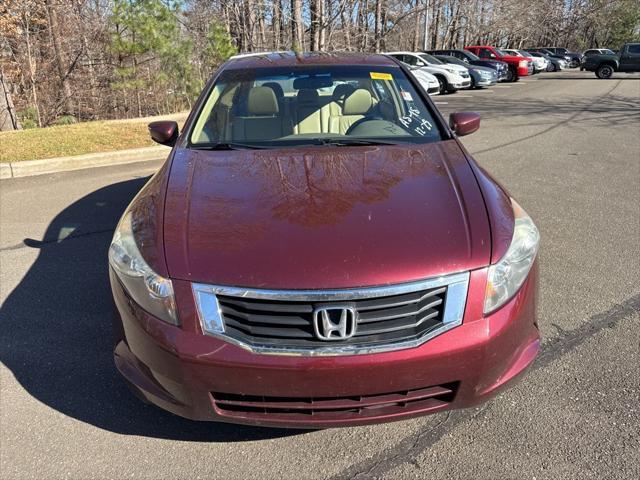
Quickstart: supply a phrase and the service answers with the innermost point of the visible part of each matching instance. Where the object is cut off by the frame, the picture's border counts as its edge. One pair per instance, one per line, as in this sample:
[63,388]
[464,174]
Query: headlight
[149,290]
[507,276]
[523,63]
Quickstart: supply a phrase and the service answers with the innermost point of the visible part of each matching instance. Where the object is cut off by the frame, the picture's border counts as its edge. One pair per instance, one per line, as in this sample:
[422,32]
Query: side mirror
[164,132]
[464,123]
[420,63]
[492,55]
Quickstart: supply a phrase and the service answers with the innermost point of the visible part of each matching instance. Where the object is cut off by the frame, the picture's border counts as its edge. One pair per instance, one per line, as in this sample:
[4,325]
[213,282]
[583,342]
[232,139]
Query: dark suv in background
[549,53]
[501,68]
[574,57]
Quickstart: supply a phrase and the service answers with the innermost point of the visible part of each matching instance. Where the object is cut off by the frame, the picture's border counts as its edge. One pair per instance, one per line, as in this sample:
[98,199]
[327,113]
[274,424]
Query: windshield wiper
[354,141]
[228,146]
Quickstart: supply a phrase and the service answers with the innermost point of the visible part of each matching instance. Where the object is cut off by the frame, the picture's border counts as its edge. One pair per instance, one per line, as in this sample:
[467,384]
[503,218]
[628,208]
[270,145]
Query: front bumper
[193,375]
[484,81]
[465,83]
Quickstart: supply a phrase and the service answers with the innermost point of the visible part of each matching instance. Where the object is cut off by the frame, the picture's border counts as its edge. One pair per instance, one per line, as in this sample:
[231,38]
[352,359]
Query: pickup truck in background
[518,66]
[604,65]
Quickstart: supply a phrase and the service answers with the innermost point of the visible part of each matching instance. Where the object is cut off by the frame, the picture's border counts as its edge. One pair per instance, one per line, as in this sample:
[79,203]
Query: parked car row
[478,66]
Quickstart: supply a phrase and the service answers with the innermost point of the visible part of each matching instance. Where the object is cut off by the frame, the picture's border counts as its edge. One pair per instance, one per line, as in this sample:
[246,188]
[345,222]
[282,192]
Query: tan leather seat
[356,105]
[341,92]
[308,118]
[263,120]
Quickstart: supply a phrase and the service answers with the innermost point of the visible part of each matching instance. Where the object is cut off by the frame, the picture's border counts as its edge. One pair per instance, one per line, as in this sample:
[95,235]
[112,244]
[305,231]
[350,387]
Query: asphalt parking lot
[566,145]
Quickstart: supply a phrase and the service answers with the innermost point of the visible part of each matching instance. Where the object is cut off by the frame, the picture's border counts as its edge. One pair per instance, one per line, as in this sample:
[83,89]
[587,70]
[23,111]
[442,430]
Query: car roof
[290,59]
[402,52]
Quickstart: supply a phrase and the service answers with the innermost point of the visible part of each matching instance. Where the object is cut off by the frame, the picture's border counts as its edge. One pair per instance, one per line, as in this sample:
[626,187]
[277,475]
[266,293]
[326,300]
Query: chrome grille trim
[456,296]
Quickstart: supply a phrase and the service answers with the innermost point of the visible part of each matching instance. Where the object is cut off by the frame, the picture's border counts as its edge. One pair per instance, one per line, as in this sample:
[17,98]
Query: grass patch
[74,139]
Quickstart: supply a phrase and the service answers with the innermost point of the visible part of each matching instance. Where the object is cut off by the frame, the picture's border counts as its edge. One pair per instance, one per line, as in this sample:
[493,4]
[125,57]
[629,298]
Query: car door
[630,58]
[487,54]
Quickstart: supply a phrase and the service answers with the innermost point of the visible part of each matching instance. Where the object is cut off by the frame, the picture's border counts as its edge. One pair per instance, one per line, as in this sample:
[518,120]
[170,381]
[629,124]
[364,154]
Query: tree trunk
[297,41]
[363,13]
[436,24]
[275,20]
[32,68]
[8,118]
[346,25]
[315,9]
[378,25]
[322,41]
[415,46]
[57,49]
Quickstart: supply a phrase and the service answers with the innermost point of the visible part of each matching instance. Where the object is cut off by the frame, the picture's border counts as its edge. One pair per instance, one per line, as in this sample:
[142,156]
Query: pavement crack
[411,447]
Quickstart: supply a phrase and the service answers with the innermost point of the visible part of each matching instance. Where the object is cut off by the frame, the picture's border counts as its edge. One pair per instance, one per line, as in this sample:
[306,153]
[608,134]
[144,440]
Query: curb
[64,164]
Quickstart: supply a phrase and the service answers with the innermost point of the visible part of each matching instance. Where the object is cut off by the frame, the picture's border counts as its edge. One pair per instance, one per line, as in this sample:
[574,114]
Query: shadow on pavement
[56,332]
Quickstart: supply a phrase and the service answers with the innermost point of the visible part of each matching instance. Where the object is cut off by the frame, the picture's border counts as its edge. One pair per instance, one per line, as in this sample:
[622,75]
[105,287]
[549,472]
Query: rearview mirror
[164,132]
[464,123]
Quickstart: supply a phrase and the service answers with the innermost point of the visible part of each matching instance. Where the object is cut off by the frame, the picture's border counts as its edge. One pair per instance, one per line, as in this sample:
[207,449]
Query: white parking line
[441,103]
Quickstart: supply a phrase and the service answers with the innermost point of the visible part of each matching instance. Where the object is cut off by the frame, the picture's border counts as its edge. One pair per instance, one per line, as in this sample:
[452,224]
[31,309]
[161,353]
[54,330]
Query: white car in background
[427,81]
[450,77]
[539,63]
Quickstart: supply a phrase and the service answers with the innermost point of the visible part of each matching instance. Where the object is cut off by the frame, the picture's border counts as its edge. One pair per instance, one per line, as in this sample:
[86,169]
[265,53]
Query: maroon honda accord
[320,250]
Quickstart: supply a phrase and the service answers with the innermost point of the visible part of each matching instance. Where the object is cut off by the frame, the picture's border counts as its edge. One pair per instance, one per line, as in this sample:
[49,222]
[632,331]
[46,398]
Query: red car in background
[320,250]
[518,66]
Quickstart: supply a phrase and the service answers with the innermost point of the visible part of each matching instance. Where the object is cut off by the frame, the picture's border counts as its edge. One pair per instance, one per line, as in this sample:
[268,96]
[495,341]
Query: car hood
[424,76]
[323,217]
[512,58]
[433,69]
[457,68]
[478,68]
[490,63]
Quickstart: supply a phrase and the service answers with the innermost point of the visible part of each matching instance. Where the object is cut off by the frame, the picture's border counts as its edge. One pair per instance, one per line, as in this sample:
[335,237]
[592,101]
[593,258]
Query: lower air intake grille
[335,408]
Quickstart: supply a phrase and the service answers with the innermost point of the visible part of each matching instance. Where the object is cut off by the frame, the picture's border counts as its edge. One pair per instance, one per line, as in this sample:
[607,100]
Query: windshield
[332,105]
[606,51]
[453,60]
[430,59]
[471,56]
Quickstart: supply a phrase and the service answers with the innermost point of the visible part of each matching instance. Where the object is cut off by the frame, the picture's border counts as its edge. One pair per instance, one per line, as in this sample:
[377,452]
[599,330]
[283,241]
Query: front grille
[334,408]
[286,323]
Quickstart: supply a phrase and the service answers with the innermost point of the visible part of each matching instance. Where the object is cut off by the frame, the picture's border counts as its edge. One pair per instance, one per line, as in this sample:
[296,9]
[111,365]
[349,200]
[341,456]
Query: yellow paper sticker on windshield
[380,76]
